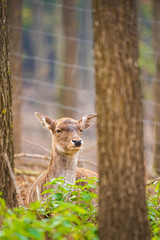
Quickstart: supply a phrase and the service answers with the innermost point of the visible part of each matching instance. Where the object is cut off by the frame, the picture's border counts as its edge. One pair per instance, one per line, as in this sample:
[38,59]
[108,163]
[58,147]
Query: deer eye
[59,130]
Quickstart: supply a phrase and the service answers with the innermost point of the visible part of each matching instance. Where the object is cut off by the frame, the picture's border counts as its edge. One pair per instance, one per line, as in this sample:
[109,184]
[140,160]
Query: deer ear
[88,120]
[45,121]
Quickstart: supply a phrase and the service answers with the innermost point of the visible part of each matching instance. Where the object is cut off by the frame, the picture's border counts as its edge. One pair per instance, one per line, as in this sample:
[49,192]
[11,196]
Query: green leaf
[50,190]
[157,187]
[21,237]
[35,233]
[73,198]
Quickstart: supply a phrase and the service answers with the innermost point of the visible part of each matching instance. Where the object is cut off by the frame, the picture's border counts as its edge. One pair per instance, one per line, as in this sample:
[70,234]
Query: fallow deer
[66,144]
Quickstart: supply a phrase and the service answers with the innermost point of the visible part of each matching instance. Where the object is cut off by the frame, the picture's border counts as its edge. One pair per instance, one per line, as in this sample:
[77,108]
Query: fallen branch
[26,172]
[28,155]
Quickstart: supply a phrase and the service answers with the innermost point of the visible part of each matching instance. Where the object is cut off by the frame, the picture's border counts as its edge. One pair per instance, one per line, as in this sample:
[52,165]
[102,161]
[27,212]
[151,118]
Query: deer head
[66,132]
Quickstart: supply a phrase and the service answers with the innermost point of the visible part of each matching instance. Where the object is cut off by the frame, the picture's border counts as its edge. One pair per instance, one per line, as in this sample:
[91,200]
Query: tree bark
[122,203]
[15,39]
[156,39]
[6,125]
[69,56]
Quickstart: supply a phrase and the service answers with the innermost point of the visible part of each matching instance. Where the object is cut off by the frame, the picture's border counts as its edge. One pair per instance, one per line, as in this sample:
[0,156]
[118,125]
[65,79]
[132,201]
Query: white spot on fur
[59,148]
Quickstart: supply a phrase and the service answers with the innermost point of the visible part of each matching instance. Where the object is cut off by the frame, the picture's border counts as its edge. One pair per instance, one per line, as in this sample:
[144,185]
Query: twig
[89,148]
[33,162]
[12,176]
[88,162]
[85,149]
[38,145]
[28,155]
[153,181]
[26,172]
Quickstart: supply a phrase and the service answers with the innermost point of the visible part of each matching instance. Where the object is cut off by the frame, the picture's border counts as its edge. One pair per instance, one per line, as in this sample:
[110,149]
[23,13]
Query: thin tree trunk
[15,37]
[6,124]
[156,38]
[69,57]
[122,203]
[41,68]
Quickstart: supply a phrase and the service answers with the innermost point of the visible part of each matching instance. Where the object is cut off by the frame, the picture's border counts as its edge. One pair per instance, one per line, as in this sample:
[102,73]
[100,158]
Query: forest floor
[25,176]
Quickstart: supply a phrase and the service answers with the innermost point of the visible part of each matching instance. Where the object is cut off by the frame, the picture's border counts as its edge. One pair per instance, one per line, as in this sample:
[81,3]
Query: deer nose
[77,143]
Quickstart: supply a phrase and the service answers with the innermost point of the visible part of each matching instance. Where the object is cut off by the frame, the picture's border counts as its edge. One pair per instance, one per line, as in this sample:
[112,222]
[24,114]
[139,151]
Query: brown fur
[64,152]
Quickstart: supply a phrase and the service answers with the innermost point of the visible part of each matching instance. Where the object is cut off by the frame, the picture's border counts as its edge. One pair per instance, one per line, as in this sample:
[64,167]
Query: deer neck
[63,165]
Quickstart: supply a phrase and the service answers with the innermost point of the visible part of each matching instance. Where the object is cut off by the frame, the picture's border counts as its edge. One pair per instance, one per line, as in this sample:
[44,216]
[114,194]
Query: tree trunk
[69,57]
[15,20]
[122,203]
[156,38]
[40,68]
[6,124]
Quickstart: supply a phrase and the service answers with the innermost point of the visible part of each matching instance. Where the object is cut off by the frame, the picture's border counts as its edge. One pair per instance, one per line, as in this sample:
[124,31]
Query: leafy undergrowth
[68,213]
[153,202]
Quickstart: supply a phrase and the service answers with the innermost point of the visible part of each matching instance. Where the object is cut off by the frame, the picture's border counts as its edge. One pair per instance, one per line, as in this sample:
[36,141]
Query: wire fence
[45,84]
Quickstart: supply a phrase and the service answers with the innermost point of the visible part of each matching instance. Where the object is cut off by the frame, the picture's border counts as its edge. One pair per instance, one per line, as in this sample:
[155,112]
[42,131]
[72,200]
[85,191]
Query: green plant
[69,212]
[153,202]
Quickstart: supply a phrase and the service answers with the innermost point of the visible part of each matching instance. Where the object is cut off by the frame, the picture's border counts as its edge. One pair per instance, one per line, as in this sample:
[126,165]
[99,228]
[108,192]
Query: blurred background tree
[156,44]
[70,53]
